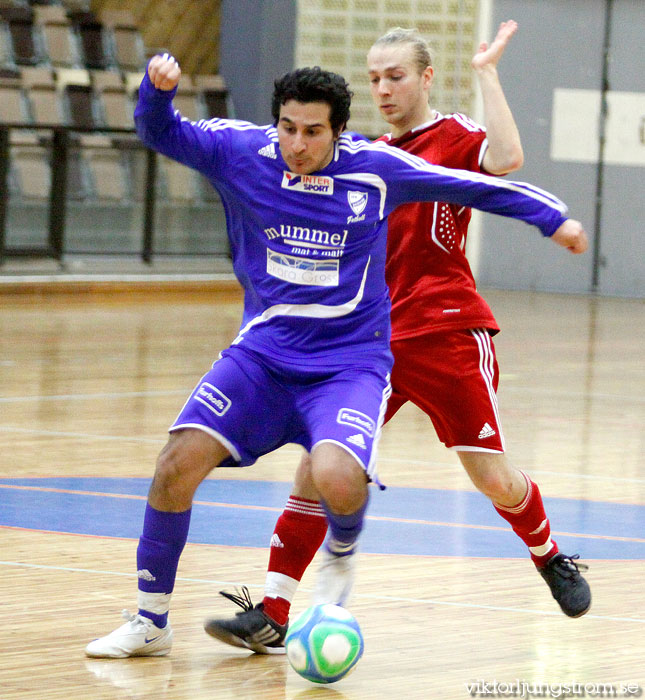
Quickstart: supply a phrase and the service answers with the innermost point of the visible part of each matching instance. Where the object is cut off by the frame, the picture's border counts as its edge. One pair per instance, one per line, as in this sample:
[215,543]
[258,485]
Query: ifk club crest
[357,201]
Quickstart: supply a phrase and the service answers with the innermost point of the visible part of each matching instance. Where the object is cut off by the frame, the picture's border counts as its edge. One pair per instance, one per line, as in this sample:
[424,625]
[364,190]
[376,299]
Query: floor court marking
[378,518]
[516,388]
[296,451]
[87,397]
[83,436]
[365,596]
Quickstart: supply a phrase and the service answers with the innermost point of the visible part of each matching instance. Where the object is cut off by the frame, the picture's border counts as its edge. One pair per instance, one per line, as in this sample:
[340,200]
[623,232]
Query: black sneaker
[250,629]
[568,587]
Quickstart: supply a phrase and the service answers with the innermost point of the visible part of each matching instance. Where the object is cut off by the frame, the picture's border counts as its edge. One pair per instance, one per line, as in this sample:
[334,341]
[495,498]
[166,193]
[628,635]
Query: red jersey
[431,284]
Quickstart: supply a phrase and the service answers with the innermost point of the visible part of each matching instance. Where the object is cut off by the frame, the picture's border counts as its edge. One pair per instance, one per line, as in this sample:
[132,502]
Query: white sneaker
[335,579]
[138,637]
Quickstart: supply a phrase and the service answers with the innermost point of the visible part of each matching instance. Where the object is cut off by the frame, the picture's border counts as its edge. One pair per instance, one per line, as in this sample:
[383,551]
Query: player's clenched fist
[164,72]
[571,235]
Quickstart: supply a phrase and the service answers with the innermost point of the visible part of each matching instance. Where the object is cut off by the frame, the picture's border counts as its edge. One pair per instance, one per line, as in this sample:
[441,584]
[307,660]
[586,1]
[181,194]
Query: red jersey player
[444,358]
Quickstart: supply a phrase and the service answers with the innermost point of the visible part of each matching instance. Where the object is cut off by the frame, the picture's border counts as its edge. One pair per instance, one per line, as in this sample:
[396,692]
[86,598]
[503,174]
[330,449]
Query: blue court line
[472,527]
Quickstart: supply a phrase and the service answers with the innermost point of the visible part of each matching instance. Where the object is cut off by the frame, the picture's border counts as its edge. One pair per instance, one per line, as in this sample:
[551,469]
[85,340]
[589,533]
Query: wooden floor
[89,383]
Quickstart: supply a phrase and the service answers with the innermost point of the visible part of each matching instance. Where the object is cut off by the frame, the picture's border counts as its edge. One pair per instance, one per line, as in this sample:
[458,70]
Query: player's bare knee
[168,483]
[496,486]
[341,484]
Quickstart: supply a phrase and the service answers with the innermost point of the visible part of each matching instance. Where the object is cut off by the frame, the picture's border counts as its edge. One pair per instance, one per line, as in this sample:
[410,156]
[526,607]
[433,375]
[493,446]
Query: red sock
[530,524]
[298,534]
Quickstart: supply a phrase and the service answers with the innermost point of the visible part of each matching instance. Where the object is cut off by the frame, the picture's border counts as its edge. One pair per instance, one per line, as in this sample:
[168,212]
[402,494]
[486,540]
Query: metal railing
[57,206]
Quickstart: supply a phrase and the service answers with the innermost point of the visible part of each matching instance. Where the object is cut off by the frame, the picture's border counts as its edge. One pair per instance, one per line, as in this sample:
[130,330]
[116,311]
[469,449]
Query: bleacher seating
[40,91]
[29,161]
[12,103]
[26,45]
[125,40]
[103,163]
[92,40]
[112,99]
[60,46]
[214,96]
[6,46]
[28,167]
[62,64]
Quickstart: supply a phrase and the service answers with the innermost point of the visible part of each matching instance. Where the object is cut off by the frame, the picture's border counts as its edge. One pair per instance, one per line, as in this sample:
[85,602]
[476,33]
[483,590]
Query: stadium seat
[178,182]
[186,100]
[13,109]
[101,156]
[132,81]
[58,37]
[92,40]
[76,5]
[40,91]
[6,46]
[107,170]
[26,46]
[127,47]
[112,97]
[29,152]
[75,91]
[214,95]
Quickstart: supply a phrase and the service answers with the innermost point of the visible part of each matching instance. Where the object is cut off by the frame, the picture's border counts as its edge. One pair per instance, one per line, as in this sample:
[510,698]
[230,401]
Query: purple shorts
[253,406]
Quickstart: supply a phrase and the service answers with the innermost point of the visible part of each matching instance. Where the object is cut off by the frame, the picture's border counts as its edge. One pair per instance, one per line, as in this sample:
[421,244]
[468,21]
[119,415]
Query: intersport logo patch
[314,184]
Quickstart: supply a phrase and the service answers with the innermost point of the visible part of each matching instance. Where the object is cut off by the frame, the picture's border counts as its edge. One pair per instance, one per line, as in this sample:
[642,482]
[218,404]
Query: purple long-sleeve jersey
[309,250]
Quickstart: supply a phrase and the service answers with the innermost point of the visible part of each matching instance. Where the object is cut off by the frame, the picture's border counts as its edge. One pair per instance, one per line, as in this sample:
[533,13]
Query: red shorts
[452,377]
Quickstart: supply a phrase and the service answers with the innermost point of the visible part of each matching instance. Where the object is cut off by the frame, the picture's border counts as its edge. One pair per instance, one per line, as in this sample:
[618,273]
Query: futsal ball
[324,643]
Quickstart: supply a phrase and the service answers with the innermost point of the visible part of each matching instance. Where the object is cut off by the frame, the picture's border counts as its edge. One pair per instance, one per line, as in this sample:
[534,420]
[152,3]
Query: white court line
[144,278]
[87,397]
[84,436]
[297,451]
[526,390]
[396,599]
[591,477]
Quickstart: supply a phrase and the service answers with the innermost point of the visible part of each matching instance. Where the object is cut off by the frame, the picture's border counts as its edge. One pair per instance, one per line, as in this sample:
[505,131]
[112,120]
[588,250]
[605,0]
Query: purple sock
[160,546]
[344,529]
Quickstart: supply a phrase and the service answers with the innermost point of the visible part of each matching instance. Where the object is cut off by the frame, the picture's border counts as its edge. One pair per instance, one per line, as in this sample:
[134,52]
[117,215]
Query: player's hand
[164,72]
[489,55]
[572,236]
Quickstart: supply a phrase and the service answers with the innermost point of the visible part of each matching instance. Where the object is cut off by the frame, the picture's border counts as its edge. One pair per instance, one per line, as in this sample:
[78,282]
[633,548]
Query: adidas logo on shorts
[486,432]
[357,440]
[276,541]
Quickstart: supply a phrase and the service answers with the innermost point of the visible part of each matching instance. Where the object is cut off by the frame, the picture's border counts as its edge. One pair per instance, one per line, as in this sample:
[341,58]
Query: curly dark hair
[314,85]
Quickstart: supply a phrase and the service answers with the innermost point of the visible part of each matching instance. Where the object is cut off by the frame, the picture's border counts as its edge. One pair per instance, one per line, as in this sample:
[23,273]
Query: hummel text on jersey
[307,237]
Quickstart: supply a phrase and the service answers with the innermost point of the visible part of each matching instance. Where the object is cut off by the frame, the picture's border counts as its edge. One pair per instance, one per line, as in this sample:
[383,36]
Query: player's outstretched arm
[163,129]
[504,153]
[164,72]
[571,235]
[489,55]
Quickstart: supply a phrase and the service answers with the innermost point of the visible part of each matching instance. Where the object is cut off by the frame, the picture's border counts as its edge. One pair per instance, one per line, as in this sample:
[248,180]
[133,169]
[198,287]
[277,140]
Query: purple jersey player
[306,209]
